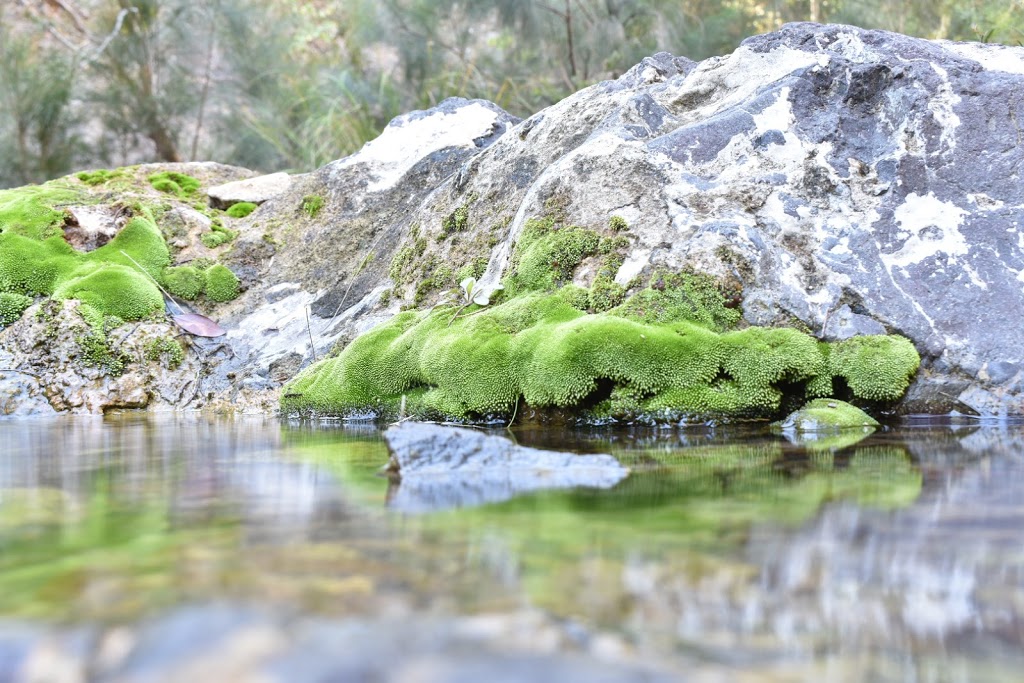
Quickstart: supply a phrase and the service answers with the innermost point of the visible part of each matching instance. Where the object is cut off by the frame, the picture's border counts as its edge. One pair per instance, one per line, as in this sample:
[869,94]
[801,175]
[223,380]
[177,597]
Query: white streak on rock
[932,226]
[941,107]
[991,57]
[735,79]
[391,155]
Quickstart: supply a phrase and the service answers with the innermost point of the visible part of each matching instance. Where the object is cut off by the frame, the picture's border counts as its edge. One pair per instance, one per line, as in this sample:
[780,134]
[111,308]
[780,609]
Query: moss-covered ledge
[43,258]
[673,348]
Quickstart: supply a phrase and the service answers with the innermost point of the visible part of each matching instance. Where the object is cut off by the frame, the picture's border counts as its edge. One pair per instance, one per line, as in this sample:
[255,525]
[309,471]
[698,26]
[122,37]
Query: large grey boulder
[444,467]
[850,181]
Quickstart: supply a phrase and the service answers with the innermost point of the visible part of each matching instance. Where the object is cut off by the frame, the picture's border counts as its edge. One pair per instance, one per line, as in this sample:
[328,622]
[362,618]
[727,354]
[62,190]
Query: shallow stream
[155,548]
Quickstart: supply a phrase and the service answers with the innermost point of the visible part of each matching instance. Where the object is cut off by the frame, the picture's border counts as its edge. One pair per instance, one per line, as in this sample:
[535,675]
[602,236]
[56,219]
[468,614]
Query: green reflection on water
[104,555]
[690,507]
[123,543]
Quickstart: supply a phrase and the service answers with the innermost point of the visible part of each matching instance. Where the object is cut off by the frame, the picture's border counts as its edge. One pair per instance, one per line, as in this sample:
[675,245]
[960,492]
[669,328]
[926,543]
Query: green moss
[241,209]
[474,269]
[165,350]
[93,342]
[99,176]
[456,221]
[213,239]
[546,256]
[403,264]
[30,266]
[577,297]
[605,294]
[217,236]
[681,296]
[221,284]
[112,289]
[178,184]
[543,349]
[186,282]
[34,212]
[618,224]
[12,306]
[142,241]
[876,368]
[311,205]
[613,244]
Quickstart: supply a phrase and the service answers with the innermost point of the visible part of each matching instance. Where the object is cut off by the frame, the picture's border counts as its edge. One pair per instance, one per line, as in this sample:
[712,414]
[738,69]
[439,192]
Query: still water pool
[154,548]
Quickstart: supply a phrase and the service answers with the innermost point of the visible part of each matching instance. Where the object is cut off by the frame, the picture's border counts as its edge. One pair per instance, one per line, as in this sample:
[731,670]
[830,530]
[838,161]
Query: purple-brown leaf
[198,325]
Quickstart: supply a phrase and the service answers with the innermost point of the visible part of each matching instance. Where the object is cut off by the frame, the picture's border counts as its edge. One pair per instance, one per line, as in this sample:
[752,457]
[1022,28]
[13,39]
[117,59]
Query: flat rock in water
[828,415]
[443,467]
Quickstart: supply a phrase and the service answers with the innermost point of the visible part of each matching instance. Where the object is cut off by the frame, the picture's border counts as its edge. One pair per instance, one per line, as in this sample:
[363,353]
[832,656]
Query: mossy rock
[670,349]
[116,290]
[35,259]
[827,415]
[241,209]
[543,350]
[171,182]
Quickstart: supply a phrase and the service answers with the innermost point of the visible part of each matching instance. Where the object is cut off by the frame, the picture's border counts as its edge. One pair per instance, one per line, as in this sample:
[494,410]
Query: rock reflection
[922,588]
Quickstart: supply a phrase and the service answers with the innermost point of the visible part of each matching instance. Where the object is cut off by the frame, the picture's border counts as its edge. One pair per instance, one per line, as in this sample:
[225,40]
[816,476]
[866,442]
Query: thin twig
[515,411]
[353,281]
[309,330]
[165,293]
[461,309]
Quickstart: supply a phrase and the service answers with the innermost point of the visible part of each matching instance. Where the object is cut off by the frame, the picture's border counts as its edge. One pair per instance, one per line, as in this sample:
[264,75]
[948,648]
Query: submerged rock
[444,467]
[827,425]
[828,415]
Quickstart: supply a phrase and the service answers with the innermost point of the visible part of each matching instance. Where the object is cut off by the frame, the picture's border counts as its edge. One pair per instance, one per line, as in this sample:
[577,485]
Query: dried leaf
[198,325]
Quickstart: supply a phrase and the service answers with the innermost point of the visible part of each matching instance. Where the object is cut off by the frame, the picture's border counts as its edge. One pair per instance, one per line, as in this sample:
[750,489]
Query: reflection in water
[896,558]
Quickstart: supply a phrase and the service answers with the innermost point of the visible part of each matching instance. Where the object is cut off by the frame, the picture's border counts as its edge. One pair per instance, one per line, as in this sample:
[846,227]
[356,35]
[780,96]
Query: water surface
[727,554]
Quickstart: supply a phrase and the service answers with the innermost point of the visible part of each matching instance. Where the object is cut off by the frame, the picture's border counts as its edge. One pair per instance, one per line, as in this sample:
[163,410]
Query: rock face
[855,181]
[445,467]
[142,365]
[844,181]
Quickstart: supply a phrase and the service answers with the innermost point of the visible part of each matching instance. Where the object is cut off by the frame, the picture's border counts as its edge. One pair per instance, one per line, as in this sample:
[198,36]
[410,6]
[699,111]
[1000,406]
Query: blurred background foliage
[288,85]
